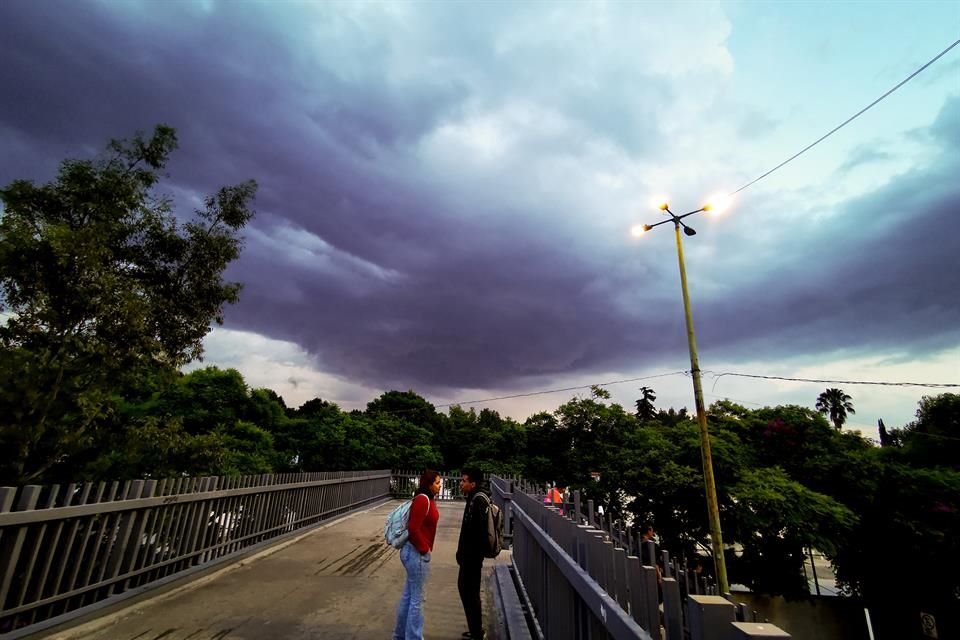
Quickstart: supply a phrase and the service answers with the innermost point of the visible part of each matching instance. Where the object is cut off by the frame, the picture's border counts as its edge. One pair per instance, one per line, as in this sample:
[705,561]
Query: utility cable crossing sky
[437,231]
[717,376]
[848,120]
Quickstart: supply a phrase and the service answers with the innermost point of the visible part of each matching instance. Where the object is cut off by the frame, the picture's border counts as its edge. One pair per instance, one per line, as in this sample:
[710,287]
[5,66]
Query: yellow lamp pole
[713,509]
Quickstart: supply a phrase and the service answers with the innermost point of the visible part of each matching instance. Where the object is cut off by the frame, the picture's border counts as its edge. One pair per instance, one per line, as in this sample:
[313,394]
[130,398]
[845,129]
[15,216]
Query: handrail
[617,622]
[66,554]
[59,513]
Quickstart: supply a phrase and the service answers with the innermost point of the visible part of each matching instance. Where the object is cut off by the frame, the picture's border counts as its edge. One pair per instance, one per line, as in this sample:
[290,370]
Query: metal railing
[404,483]
[582,579]
[67,551]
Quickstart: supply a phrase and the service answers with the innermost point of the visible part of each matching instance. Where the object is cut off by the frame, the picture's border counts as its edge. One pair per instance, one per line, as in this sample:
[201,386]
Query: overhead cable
[929,385]
[548,391]
[848,120]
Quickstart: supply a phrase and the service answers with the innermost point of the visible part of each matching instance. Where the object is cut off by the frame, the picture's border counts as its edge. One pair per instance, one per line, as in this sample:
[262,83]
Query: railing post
[756,631]
[11,553]
[672,609]
[508,513]
[709,617]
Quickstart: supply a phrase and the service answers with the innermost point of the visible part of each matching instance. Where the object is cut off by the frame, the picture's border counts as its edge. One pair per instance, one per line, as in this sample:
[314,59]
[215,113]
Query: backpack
[396,531]
[494,529]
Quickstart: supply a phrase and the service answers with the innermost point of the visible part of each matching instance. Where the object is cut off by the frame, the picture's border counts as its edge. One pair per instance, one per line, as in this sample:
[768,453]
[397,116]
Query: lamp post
[713,510]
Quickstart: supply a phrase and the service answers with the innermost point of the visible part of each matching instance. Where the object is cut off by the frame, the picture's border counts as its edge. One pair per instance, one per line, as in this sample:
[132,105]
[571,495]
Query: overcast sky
[447,189]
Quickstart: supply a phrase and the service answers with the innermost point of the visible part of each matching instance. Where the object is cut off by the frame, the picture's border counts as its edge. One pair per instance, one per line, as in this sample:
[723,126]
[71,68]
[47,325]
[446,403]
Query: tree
[599,393]
[101,283]
[645,409]
[933,439]
[775,520]
[837,404]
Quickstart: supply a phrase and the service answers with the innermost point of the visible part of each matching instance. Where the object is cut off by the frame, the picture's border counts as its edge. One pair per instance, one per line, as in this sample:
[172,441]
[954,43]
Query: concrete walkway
[339,582]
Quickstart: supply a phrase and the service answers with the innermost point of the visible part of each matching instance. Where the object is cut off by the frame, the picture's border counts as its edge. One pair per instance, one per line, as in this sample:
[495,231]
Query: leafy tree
[908,530]
[599,393]
[595,437]
[933,439]
[549,449]
[101,282]
[775,520]
[645,409]
[207,398]
[837,404]
[672,417]
[244,449]
[406,426]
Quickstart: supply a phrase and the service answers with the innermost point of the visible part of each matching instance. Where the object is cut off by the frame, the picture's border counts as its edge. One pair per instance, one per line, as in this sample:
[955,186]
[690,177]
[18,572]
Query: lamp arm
[690,213]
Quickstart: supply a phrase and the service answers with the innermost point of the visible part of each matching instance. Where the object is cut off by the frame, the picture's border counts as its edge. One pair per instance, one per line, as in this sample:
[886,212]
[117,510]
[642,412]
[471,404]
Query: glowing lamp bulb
[718,203]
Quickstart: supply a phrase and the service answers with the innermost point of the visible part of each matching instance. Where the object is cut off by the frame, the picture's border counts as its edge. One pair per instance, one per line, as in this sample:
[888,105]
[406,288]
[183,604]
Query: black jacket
[473,528]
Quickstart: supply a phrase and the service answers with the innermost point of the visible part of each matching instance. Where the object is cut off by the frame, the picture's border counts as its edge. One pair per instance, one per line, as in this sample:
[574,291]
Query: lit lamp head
[718,203]
[640,229]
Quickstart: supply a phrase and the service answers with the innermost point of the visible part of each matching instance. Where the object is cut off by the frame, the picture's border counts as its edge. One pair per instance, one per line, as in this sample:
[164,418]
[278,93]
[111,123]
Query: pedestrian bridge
[335,582]
[302,556]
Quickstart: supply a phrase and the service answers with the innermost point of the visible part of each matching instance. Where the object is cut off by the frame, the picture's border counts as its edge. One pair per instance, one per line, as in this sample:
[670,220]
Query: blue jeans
[410,610]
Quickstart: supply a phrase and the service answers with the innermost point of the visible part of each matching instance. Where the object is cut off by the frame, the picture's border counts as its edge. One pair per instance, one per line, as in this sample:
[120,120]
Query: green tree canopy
[102,283]
[933,439]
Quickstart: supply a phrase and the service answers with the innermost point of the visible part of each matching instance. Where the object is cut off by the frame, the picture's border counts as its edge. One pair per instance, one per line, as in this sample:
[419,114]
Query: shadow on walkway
[338,582]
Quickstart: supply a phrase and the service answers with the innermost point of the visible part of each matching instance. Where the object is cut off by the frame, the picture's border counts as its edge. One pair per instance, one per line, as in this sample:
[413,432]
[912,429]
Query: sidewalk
[337,583]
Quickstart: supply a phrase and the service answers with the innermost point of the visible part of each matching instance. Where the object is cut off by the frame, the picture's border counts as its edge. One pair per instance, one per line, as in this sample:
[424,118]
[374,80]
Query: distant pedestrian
[696,578]
[648,556]
[471,549]
[415,556]
[555,496]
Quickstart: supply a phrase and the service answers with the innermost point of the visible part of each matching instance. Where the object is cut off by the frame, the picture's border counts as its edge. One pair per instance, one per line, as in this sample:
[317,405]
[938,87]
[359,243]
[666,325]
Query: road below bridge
[340,581]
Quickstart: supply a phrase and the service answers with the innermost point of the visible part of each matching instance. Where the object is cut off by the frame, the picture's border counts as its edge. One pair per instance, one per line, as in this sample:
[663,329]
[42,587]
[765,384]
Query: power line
[848,120]
[929,385]
[717,376]
[910,434]
[548,391]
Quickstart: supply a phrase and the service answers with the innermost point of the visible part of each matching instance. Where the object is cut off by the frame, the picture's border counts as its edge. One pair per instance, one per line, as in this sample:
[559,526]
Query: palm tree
[645,408]
[836,403]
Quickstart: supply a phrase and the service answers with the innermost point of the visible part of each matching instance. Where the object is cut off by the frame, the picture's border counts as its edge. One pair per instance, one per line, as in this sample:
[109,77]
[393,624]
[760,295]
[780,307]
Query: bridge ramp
[339,582]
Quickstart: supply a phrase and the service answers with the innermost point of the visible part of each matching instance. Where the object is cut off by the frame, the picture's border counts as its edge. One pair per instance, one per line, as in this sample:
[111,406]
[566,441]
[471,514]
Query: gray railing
[404,483]
[582,580]
[67,551]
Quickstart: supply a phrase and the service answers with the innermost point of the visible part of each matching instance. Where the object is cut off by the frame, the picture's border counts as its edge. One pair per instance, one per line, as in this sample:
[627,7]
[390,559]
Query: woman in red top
[415,556]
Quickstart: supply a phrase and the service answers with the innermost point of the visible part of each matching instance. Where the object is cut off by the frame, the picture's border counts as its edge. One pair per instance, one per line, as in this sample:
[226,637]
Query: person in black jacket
[471,549]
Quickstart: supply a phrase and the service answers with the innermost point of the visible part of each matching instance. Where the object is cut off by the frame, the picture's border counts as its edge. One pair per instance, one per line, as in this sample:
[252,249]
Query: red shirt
[423,523]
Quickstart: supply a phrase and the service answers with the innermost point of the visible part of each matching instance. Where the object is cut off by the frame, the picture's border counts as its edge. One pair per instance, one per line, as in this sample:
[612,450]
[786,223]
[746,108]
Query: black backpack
[494,528]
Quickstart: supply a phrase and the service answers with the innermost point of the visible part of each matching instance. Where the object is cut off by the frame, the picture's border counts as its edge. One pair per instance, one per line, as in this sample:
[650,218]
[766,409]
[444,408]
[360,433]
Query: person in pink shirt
[415,556]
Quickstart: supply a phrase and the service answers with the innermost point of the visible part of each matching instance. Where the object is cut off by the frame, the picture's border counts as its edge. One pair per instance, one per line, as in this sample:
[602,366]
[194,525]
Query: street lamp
[713,511]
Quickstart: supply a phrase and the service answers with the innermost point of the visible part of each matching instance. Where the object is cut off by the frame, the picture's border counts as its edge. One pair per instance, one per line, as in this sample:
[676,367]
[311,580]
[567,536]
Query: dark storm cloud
[394,277]
[881,272]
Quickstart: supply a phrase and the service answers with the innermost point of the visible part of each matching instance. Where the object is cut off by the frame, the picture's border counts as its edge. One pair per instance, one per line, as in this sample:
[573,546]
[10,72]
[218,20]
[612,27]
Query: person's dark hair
[427,479]
[646,527]
[474,475]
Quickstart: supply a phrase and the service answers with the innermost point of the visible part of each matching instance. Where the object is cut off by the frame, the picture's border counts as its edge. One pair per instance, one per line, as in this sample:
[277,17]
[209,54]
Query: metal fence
[67,551]
[404,483]
[584,578]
